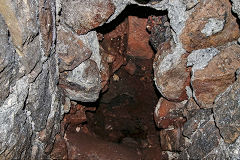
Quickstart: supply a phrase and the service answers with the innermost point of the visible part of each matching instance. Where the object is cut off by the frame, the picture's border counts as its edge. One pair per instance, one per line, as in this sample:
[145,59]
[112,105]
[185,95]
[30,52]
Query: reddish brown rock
[214,79]
[169,114]
[114,45]
[46,26]
[84,15]
[211,24]
[76,115]
[171,82]
[70,49]
[170,139]
[104,71]
[130,68]
[138,38]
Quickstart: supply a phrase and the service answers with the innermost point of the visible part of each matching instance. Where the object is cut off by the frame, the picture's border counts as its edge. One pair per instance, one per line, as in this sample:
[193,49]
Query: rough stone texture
[169,114]
[236,7]
[84,15]
[191,3]
[80,60]
[227,113]
[30,101]
[203,136]
[172,82]
[30,106]
[203,26]
[114,45]
[82,83]
[170,139]
[213,26]
[105,70]
[7,58]
[70,49]
[138,37]
[209,79]
[160,30]
[21,19]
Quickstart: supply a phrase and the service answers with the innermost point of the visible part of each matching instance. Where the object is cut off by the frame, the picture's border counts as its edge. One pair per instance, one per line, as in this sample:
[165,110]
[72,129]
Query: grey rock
[29,99]
[22,20]
[213,26]
[199,59]
[225,151]
[236,7]
[191,3]
[85,82]
[39,99]
[12,136]
[177,15]
[70,49]
[227,113]
[32,55]
[198,119]
[90,40]
[7,61]
[204,140]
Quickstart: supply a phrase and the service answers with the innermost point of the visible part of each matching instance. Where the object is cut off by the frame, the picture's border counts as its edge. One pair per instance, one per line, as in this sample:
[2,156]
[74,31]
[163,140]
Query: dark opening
[124,111]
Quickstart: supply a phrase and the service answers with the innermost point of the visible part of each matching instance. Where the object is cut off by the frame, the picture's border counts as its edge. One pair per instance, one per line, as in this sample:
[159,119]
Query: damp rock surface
[54,57]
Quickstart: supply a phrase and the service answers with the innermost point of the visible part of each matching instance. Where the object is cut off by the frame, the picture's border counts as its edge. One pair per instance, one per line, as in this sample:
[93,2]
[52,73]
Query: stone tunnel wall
[50,55]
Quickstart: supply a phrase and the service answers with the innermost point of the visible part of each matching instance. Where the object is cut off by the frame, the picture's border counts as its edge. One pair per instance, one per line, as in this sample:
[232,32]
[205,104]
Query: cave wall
[50,55]
[30,106]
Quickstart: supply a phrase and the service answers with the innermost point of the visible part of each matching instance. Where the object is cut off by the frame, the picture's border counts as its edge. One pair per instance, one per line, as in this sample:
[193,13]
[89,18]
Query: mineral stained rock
[70,49]
[138,37]
[83,82]
[213,72]
[210,26]
[84,15]
[172,82]
[169,114]
[199,38]
[30,105]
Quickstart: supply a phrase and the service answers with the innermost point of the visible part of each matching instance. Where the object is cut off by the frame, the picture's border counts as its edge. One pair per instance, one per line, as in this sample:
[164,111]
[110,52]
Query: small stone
[70,49]
[213,26]
[83,83]
[110,58]
[78,129]
[172,82]
[115,77]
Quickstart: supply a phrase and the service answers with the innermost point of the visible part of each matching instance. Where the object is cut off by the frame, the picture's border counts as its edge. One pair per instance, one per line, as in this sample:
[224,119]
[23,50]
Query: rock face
[82,15]
[138,38]
[50,55]
[171,82]
[226,112]
[30,106]
[210,26]
[213,79]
